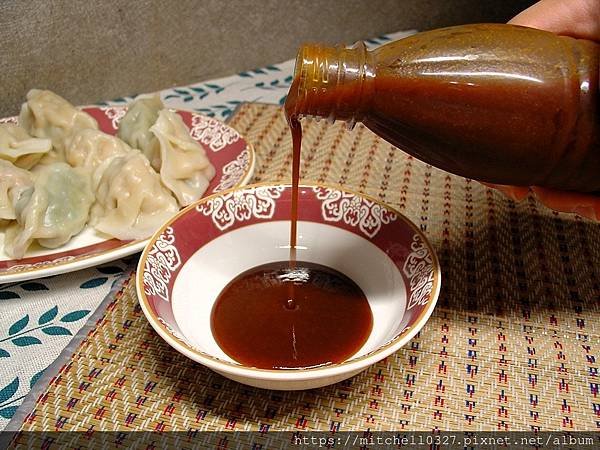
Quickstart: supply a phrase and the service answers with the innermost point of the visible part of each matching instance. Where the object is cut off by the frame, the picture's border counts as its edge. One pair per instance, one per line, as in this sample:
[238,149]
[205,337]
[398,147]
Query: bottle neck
[332,82]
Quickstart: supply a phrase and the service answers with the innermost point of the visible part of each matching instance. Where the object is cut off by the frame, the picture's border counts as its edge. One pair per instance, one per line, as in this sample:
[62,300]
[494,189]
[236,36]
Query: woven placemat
[512,344]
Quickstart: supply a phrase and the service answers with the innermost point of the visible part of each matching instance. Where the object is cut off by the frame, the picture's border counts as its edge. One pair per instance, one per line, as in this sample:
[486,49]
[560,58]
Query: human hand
[585,205]
[576,18]
[579,19]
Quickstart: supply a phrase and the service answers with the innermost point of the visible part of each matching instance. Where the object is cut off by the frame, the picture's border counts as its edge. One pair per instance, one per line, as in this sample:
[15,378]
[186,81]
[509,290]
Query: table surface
[39,318]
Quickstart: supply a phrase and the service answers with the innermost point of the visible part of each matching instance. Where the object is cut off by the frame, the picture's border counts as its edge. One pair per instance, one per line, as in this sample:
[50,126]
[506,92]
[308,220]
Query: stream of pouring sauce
[296,130]
[325,317]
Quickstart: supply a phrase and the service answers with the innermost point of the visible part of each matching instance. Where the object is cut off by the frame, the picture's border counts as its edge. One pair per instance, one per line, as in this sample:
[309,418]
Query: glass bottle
[498,103]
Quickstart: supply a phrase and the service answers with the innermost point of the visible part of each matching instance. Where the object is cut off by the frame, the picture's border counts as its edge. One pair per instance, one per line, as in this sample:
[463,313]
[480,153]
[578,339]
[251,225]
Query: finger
[516,193]
[585,205]
[577,18]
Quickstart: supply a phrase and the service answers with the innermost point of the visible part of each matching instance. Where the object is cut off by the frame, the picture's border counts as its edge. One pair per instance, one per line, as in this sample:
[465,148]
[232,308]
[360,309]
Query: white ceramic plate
[227,150]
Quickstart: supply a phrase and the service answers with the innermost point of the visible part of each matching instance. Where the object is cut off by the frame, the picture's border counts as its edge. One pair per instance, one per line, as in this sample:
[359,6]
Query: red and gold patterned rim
[215,215]
[230,153]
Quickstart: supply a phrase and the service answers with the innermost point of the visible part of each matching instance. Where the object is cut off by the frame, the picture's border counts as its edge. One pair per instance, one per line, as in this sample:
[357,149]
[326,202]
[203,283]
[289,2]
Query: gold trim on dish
[400,340]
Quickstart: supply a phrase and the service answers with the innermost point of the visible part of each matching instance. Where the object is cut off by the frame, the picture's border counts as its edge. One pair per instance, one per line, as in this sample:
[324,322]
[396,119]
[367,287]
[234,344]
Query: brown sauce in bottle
[496,103]
[330,321]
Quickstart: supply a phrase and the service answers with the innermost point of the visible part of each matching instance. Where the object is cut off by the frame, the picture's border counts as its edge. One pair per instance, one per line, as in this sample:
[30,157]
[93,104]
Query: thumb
[576,18]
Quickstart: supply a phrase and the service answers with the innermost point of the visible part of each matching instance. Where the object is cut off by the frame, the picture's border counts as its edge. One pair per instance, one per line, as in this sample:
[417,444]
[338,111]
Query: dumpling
[131,202]
[184,167]
[90,148]
[134,127]
[14,182]
[47,115]
[19,148]
[54,211]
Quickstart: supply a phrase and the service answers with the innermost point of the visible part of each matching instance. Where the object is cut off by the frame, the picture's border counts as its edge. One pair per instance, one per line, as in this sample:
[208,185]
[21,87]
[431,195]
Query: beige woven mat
[512,344]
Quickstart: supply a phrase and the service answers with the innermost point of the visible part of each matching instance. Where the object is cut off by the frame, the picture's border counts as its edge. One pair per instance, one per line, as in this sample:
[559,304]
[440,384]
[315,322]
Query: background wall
[89,51]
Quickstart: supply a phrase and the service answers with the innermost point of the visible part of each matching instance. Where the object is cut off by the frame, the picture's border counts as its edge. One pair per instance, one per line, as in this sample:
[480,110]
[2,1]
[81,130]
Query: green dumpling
[54,211]
[134,127]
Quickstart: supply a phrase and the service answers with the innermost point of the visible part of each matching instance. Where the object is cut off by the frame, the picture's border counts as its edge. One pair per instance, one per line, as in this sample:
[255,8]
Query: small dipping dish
[189,261]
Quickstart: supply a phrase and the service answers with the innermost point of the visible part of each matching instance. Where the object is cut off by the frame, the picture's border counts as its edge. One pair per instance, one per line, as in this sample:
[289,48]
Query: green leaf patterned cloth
[38,318]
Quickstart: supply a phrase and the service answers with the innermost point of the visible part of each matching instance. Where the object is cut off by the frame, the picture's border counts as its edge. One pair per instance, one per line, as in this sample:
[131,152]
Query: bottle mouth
[318,65]
[314,74]
[325,79]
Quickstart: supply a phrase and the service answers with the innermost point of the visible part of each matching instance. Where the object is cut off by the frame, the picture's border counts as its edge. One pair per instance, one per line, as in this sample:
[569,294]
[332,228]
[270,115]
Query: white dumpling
[89,149]
[54,211]
[131,202]
[47,115]
[184,167]
[14,182]
[19,148]
[134,127]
